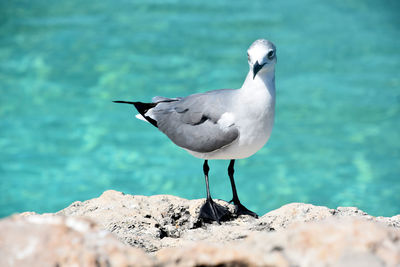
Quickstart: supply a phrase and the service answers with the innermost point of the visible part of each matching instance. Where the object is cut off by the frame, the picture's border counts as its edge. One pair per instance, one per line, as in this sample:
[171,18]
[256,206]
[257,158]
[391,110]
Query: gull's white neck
[264,81]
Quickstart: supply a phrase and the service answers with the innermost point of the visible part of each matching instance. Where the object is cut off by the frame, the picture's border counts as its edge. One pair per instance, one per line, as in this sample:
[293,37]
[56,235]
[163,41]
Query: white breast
[254,116]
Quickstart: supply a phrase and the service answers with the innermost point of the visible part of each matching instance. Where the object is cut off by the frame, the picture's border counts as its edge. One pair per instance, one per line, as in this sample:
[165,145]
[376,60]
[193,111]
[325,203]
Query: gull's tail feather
[142,108]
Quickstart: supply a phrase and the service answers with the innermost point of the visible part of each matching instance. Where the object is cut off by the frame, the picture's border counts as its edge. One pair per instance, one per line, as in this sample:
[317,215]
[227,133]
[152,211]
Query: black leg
[231,171]
[211,210]
[206,169]
[241,210]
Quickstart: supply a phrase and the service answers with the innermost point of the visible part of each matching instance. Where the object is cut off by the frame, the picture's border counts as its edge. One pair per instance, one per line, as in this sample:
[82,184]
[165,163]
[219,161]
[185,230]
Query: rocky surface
[166,231]
[46,240]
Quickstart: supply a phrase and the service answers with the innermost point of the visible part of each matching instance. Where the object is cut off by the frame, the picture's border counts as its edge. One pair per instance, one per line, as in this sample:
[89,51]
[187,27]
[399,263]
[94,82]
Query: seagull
[226,124]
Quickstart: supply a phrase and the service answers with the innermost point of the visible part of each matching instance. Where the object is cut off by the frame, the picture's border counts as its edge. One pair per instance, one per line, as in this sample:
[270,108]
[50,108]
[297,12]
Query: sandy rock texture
[166,231]
[46,240]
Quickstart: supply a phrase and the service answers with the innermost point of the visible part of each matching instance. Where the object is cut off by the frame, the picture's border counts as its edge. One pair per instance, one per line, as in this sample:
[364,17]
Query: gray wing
[191,122]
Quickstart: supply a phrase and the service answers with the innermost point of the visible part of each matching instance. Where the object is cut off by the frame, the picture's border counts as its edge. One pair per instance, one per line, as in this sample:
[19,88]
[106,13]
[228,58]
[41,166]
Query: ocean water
[336,140]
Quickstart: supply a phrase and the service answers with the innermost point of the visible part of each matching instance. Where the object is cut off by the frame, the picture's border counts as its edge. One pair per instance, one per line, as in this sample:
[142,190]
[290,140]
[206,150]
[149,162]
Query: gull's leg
[241,210]
[211,210]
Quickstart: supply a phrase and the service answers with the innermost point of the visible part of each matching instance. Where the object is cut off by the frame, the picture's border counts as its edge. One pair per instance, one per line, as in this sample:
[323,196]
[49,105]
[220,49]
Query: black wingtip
[123,102]
[142,108]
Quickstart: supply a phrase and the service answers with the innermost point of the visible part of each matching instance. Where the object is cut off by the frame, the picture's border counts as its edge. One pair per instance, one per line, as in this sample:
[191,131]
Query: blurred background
[336,140]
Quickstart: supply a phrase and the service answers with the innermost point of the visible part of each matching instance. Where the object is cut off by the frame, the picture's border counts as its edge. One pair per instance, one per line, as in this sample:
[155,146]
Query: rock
[214,254]
[341,242]
[161,221]
[168,229]
[146,222]
[330,242]
[45,240]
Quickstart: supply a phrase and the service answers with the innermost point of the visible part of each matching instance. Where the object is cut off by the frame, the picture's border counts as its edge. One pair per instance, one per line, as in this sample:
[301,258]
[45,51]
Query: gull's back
[192,122]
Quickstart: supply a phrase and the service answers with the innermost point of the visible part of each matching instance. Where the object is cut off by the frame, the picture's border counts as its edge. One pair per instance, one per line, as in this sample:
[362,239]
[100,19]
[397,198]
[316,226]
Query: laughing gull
[221,124]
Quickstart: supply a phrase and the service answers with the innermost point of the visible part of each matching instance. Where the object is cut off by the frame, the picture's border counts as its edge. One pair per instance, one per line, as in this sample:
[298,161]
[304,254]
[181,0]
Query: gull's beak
[256,68]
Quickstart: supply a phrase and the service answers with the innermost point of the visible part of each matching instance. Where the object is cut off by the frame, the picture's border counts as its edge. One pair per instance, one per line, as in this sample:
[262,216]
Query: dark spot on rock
[115,227]
[163,233]
[225,264]
[277,248]
[175,216]
[197,224]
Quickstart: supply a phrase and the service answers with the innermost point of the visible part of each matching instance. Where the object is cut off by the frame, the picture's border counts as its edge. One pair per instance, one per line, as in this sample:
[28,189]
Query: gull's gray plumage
[191,122]
[221,124]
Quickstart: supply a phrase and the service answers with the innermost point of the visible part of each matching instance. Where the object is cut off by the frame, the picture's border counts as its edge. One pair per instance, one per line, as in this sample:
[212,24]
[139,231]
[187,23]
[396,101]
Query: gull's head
[262,57]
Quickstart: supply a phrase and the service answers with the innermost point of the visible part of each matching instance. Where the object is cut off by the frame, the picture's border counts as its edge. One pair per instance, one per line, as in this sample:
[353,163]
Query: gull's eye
[248,57]
[271,54]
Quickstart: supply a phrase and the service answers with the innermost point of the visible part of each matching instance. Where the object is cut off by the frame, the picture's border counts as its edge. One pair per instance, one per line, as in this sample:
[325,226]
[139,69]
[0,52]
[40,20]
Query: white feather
[140,117]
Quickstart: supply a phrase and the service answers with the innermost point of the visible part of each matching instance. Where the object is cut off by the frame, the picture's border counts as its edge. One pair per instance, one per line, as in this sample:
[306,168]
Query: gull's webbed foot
[213,211]
[242,210]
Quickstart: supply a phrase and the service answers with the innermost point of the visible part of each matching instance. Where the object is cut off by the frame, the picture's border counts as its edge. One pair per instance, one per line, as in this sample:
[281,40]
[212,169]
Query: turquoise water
[336,140]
